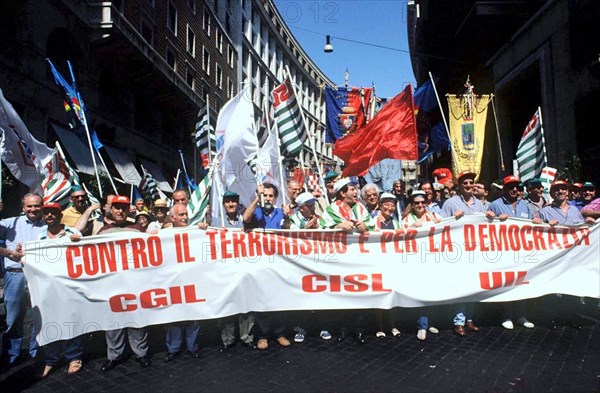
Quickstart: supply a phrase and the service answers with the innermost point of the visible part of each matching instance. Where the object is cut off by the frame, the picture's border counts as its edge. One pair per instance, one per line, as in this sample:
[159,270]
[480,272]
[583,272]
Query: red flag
[391,134]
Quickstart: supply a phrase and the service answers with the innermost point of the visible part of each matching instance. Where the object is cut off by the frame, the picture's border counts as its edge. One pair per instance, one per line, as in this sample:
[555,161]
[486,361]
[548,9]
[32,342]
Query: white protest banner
[133,279]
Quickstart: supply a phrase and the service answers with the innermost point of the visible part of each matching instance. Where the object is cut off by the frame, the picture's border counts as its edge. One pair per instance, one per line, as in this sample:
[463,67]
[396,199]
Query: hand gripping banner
[118,280]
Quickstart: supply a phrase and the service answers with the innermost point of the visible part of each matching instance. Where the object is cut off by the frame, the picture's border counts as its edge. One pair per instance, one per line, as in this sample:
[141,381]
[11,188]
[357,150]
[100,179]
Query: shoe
[109,365]
[396,332]
[74,366]
[170,356]
[47,370]
[262,344]
[458,329]
[524,322]
[422,334]
[360,338]
[284,342]
[471,326]
[325,335]
[508,325]
[380,334]
[194,354]
[298,338]
[433,330]
[144,361]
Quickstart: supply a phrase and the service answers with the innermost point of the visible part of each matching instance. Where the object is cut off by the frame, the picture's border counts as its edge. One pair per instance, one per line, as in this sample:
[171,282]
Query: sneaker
[395,332]
[422,334]
[433,330]
[262,344]
[325,335]
[508,325]
[524,322]
[298,338]
[380,334]
[284,342]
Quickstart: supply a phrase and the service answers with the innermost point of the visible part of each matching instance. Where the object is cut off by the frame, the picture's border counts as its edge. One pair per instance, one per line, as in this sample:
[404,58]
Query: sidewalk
[565,359]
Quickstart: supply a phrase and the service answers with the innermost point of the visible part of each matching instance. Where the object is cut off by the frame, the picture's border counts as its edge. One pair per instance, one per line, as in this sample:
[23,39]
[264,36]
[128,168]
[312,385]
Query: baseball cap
[52,205]
[330,175]
[588,184]
[536,181]
[120,199]
[442,174]
[231,194]
[576,185]
[510,179]
[467,174]
[559,183]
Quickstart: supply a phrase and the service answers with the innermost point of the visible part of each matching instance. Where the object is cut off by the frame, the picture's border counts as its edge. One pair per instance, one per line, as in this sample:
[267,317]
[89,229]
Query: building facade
[528,54]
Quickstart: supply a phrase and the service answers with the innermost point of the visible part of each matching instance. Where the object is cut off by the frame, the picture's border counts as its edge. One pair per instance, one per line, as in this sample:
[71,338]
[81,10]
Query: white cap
[387,195]
[341,183]
[417,193]
[304,198]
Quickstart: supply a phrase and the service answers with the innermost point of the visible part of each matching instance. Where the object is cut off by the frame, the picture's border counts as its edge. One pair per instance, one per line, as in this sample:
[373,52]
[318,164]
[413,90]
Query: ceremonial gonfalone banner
[132,279]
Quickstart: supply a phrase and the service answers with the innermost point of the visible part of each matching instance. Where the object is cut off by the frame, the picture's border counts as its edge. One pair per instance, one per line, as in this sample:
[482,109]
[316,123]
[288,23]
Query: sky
[375,22]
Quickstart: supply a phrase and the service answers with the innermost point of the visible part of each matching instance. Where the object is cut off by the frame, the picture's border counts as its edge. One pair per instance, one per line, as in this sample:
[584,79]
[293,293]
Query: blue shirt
[578,203]
[554,212]
[502,206]
[19,230]
[434,208]
[270,221]
[457,202]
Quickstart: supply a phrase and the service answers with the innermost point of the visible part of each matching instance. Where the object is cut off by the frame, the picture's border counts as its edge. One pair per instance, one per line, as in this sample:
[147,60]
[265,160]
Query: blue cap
[231,194]
[331,175]
[588,184]
[76,188]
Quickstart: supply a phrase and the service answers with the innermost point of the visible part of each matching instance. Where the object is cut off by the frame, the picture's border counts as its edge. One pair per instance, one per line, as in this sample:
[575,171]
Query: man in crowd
[510,205]
[401,199]
[346,212]
[159,211]
[267,216]
[138,337]
[430,203]
[481,192]
[26,227]
[294,189]
[370,196]
[459,205]
[574,191]
[140,205]
[324,200]
[588,194]
[560,211]
[80,203]
[180,196]
[535,196]
[178,215]
[305,217]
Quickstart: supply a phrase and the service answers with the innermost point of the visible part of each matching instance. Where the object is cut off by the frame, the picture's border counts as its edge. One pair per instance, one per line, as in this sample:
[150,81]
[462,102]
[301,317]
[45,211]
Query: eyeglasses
[79,196]
[418,202]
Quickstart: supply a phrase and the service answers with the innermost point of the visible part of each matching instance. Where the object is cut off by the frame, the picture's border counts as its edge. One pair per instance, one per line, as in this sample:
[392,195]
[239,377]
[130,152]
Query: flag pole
[498,134]
[312,143]
[87,132]
[543,137]
[131,193]
[176,178]
[185,170]
[444,119]
[208,130]
[107,172]
[279,158]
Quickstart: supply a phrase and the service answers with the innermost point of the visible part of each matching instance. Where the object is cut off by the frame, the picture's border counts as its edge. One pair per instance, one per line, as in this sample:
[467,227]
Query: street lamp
[328,48]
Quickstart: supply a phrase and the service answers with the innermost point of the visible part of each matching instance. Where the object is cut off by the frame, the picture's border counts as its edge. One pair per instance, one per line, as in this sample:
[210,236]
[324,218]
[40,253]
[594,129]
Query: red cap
[442,174]
[576,185]
[466,174]
[558,183]
[51,206]
[120,199]
[511,179]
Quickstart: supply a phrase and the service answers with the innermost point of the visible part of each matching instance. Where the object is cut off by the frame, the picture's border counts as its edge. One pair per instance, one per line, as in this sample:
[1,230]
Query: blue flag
[96,142]
[345,110]
[430,129]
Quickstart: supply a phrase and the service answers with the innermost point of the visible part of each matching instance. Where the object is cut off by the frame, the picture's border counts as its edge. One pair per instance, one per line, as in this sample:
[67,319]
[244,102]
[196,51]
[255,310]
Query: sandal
[75,366]
[47,370]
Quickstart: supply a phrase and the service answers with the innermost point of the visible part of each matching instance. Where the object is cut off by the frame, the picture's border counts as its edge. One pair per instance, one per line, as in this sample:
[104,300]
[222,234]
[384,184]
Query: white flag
[236,145]
[268,162]
[25,156]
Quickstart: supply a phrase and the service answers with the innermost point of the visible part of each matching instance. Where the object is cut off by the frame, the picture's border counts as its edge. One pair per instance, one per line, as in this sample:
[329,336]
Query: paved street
[565,359]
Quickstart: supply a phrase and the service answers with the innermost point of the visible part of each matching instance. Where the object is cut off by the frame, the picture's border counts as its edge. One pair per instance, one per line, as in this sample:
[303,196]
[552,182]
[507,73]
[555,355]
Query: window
[189,77]
[219,40]
[206,21]
[170,58]
[230,92]
[172,18]
[206,61]
[219,76]
[147,31]
[192,5]
[230,56]
[191,41]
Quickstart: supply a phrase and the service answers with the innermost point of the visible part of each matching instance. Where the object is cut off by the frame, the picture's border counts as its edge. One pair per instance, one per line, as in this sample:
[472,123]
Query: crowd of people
[343,205]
